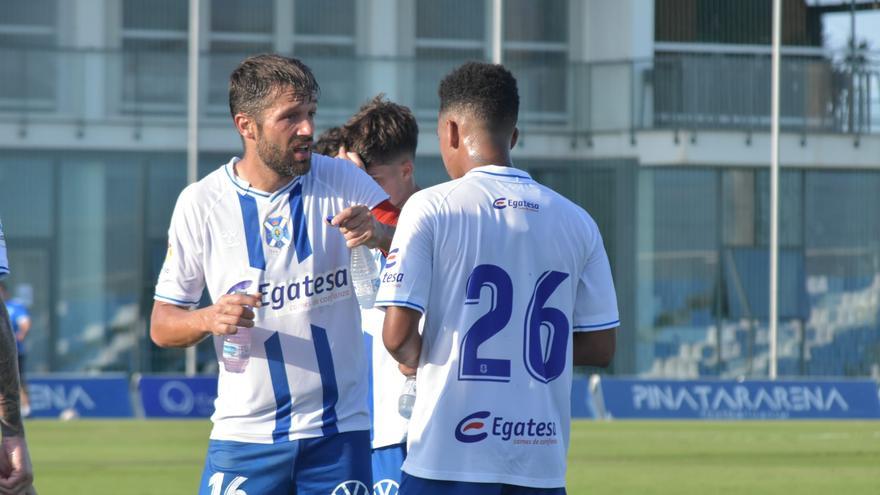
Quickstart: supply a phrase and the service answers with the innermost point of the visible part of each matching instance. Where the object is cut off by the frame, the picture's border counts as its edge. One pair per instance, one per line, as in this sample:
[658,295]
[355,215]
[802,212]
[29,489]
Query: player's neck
[259,175]
[488,157]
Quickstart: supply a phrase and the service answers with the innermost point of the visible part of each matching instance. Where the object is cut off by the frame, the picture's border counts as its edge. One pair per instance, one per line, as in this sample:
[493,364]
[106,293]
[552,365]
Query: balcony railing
[673,90]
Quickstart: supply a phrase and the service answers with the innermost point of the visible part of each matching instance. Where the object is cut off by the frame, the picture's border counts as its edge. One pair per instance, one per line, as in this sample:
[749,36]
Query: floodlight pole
[497,22]
[192,124]
[774,186]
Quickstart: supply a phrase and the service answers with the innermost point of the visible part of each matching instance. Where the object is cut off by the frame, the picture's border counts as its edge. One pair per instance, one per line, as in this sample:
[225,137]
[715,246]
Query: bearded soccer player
[296,419]
[527,293]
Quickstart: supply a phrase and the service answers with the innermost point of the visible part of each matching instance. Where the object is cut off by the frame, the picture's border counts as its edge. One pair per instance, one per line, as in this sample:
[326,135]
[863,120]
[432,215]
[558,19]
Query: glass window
[154,57]
[536,20]
[26,29]
[164,15]
[243,16]
[448,33]
[26,203]
[451,19]
[536,50]
[325,17]
[542,81]
[30,13]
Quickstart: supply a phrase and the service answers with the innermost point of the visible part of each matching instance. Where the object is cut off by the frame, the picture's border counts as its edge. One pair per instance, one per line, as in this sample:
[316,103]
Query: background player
[295,420]
[515,284]
[383,136]
[329,142]
[20,320]
[16,470]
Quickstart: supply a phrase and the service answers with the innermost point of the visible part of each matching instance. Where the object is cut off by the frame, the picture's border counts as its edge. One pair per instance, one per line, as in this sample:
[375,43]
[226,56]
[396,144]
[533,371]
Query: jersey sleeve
[596,300]
[406,278]
[351,183]
[182,278]
[4,263]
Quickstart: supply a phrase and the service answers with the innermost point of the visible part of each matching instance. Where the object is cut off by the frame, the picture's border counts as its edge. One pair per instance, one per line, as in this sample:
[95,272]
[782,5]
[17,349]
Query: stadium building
[652,114]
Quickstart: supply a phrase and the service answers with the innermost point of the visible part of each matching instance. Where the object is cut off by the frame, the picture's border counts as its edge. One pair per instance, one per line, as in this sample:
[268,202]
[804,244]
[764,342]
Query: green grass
[700,458]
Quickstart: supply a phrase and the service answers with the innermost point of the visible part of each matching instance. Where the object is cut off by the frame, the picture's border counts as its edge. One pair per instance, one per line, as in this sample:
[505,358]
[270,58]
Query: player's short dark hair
[330,141]
[259,78]
[486,91]
[381,131]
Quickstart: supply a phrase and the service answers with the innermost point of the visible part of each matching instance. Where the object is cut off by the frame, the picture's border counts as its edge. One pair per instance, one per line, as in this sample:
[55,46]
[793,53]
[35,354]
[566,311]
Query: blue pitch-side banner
[91,397]
[581,399]
[718,399]
[178,396]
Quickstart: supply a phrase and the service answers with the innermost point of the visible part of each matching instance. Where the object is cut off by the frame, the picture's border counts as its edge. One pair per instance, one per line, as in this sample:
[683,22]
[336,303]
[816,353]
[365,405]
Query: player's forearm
[400,334]
[594,348]
[10,405]
[173,326]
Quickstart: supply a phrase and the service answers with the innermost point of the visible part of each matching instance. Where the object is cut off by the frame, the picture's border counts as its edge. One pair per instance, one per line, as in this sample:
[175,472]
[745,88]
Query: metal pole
[192,131]
[774,185]
[497,21]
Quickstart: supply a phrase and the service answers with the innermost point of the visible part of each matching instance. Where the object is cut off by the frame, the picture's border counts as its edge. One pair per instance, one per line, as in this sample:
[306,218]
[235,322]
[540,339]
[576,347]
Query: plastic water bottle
[407,397]
[237,347]
[364,276]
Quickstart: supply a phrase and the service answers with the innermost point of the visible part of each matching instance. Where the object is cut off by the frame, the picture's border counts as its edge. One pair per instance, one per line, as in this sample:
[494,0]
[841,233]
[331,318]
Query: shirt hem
[505,478]
[268,439]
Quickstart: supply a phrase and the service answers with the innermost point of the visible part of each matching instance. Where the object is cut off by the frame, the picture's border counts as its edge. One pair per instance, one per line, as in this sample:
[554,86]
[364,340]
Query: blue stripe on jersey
[502,175]
[368,346]
[300,231]
[328,379]
[4,269]
[615,322]
[278,374]
[251,218]
[400,303]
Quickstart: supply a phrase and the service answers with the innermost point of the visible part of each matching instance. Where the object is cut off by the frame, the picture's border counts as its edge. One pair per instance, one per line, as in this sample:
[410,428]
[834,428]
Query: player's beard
[282,161]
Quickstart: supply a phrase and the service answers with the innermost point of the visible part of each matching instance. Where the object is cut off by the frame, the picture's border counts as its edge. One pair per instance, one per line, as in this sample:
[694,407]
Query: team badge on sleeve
[277,233]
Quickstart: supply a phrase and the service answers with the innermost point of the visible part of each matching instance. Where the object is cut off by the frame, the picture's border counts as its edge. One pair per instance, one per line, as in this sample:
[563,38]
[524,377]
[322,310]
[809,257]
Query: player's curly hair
[330,141]
[381,131]
[487,91]
[259,78]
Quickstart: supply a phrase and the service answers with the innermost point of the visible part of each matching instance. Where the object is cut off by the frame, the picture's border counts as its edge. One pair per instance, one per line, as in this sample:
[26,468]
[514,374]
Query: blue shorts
[336,464]
[412,485]
[386,468]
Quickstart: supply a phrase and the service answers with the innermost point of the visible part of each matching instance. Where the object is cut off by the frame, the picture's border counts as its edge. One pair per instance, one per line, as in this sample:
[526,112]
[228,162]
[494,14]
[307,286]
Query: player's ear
[452,130]
[245,126]
[407,168]
[514,137]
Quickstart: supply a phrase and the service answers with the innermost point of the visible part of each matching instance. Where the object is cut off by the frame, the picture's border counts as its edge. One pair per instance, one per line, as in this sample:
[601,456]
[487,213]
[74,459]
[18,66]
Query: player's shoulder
[200,196]
[440,193]
[331,173]
[323,167]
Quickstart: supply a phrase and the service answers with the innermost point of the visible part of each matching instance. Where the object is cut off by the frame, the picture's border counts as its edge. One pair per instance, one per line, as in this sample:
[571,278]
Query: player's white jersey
[506,269]
[389,427]
[307,372]
[4,262]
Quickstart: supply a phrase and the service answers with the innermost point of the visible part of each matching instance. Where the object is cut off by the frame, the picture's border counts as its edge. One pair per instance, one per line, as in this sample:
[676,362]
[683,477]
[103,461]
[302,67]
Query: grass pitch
[819,457]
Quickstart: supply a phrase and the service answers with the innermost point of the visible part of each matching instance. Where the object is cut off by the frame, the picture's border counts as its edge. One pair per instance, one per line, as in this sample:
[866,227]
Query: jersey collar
[245,187]
[499,171]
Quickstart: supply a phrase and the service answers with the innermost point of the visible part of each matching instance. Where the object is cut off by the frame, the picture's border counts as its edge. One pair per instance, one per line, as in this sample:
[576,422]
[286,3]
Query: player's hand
[358,226]
[16,470]
[352,157]
[230,312]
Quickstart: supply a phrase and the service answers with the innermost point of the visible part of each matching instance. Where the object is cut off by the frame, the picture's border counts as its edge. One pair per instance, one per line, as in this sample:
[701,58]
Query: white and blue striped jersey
[4,262]
[307,374]
[504,270]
